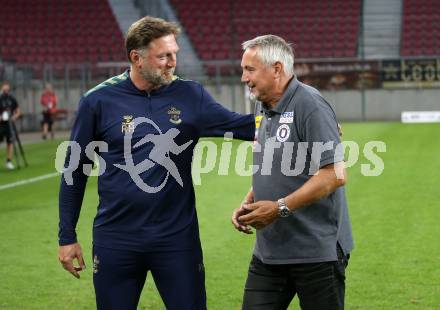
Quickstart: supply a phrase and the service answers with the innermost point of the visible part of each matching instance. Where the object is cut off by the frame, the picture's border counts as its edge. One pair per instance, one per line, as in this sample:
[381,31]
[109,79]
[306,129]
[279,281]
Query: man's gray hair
[272,48]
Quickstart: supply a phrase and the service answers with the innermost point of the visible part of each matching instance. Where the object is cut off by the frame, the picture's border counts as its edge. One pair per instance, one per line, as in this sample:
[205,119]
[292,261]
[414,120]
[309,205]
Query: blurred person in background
[9,112]
[48,103]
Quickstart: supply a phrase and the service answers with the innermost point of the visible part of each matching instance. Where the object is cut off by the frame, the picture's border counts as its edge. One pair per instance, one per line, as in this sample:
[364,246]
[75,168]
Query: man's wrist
[63,242]
[283,210]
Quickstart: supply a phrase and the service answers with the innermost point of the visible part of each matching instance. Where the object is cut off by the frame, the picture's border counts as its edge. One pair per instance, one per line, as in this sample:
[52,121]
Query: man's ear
[135,57]
[278,67]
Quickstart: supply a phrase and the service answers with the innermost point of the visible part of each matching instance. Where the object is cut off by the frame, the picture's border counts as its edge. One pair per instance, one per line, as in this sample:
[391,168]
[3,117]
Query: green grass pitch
[395,218]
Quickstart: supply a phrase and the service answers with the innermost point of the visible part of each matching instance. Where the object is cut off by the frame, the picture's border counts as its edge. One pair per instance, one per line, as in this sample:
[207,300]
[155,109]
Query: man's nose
[172,61]
[244,78]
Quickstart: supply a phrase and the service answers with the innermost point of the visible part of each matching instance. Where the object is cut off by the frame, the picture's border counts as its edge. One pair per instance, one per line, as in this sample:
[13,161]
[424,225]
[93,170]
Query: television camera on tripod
[9,112]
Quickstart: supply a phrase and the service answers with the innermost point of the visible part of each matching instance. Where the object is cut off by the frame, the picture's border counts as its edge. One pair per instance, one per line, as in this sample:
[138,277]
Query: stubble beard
[157,77]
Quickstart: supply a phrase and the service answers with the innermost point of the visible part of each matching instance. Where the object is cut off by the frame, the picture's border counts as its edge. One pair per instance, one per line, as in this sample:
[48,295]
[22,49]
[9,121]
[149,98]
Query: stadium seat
[320,29]
[420,28]
[46,30]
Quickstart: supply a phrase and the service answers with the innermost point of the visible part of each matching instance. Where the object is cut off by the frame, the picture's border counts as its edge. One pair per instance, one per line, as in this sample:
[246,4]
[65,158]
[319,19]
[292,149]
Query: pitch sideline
[28,181]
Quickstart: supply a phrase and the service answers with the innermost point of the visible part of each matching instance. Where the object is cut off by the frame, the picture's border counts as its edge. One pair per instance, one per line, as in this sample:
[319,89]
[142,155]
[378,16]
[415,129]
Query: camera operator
[9,112]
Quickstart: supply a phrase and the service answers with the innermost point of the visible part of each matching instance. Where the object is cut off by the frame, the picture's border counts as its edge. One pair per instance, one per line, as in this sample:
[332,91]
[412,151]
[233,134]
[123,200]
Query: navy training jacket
[129,218]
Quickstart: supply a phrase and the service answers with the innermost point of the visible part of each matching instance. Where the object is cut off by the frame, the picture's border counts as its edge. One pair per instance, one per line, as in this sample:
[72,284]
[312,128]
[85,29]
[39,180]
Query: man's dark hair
[147,29]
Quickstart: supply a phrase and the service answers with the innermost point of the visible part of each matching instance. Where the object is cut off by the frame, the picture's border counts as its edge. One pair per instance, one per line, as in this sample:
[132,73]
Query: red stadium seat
[216,28]
[420,28]
[45,28]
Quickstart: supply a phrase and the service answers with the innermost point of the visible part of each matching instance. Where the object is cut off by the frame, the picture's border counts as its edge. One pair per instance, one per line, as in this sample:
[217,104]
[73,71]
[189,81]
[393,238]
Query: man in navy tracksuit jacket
[149,121]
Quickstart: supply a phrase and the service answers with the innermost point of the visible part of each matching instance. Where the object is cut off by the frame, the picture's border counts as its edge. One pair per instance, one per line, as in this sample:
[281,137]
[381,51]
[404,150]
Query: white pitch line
[28,181]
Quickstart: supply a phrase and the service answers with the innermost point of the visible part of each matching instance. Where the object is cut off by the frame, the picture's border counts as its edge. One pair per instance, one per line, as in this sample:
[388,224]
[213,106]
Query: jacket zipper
[148,103]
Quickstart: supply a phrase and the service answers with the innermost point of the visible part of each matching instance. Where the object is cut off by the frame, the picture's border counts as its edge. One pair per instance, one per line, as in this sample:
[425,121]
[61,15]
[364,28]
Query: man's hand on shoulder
[340,130]
[66,255]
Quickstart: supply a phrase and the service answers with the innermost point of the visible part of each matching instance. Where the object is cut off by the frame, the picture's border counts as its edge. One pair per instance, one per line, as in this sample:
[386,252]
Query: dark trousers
[119,276]
[5,132]
[47,119]
[319,286]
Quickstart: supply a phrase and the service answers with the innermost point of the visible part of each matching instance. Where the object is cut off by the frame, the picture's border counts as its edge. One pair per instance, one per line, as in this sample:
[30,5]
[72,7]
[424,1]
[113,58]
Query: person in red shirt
[49,107]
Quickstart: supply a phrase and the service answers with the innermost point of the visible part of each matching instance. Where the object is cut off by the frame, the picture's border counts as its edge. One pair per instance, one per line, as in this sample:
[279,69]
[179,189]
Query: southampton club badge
[127,124]
[174,115]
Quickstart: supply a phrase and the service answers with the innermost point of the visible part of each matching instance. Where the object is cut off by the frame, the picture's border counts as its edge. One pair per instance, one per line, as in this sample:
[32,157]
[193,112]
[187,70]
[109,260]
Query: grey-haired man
[297,201]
